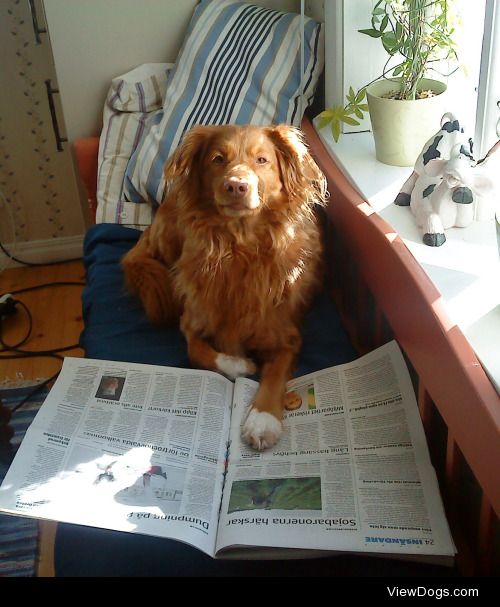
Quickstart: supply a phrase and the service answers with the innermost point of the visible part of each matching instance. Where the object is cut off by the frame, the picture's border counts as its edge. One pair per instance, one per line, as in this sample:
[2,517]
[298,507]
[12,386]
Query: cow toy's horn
[448,117]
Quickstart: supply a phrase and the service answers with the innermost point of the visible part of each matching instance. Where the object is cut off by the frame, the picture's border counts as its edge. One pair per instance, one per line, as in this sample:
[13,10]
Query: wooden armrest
[86,153]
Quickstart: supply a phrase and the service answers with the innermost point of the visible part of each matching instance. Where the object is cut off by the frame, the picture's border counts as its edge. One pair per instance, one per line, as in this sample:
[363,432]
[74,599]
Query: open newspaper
[157,450]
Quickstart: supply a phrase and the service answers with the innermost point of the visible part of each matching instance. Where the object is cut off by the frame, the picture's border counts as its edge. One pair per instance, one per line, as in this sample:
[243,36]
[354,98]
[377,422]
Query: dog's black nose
[236,187]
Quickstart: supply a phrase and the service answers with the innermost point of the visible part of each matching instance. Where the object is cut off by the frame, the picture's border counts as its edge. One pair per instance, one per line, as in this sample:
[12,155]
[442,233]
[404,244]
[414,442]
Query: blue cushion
[117,329]
[240,64]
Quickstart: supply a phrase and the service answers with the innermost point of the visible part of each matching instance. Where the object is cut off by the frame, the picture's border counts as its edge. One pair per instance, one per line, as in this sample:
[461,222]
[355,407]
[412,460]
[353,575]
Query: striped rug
[18,535]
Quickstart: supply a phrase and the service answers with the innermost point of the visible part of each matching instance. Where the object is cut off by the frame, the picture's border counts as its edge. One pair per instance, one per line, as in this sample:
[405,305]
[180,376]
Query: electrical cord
[8,307]
[7,347]
[63,283]
[31,353]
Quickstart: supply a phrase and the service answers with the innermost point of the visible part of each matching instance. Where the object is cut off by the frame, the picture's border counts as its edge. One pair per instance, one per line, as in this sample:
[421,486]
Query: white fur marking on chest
[234,366]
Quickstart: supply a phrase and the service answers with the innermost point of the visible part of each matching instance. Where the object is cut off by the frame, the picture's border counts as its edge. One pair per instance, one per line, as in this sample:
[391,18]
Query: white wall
[96,40]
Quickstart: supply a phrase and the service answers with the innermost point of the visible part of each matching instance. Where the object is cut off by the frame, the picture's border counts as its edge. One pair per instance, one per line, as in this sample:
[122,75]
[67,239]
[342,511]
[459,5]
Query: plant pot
[401,128]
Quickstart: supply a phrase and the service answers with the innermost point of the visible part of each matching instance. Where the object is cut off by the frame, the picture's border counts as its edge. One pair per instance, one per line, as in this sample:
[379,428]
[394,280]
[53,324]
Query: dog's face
[243,169]
[240,170]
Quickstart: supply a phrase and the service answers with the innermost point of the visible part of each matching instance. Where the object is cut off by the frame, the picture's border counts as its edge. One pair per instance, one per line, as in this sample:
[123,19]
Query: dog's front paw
[261,430]
[234,366]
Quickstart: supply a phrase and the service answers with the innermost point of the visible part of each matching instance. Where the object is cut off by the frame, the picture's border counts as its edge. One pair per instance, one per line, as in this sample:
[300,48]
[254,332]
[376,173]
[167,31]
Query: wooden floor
[57,322]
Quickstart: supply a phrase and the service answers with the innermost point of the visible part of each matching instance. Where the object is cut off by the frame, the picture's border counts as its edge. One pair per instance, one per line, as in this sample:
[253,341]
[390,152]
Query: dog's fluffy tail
[151,281]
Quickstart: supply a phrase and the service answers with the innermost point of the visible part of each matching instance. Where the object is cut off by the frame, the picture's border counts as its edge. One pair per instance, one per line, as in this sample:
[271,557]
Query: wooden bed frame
[382,293]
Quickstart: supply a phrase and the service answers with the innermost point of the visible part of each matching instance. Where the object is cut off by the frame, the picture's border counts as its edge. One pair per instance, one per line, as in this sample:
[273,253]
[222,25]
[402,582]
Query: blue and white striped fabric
[134,100]
[240,64]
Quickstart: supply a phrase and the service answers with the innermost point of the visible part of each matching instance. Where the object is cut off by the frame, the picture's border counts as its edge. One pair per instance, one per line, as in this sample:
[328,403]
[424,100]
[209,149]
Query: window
[488,106]
[353,59]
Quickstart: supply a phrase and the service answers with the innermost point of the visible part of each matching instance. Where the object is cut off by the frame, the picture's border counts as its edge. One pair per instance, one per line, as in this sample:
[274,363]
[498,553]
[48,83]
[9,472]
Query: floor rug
[18,535]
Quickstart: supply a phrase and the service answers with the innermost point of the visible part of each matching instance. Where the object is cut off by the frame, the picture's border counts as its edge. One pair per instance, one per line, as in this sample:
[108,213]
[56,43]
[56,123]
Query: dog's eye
[261,160]
[218,159]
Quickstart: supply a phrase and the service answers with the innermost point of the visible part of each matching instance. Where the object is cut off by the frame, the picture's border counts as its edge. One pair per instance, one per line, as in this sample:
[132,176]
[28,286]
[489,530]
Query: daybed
[376,292]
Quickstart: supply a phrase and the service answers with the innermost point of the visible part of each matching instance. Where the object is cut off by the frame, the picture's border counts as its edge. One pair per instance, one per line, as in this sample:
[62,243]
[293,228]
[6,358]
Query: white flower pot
[401,128]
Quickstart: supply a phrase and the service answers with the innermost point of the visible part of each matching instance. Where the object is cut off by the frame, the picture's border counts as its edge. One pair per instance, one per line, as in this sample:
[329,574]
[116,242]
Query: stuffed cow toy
[447,187]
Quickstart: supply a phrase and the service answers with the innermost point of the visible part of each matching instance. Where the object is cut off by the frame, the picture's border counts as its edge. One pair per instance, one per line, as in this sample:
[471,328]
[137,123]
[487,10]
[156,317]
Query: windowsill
[465,269]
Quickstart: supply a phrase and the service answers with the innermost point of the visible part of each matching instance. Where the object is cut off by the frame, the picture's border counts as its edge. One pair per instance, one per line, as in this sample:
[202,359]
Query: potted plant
[405,106]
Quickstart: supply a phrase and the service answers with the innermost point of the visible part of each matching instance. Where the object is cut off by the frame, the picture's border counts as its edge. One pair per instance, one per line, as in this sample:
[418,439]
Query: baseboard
[43,251]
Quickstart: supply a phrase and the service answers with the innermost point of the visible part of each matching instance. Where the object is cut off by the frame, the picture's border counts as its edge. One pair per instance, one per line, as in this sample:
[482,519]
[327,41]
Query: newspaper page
[351,471]
[126,446]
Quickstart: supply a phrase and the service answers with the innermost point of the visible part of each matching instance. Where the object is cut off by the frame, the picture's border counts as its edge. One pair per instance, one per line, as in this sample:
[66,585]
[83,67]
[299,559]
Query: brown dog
[235,251]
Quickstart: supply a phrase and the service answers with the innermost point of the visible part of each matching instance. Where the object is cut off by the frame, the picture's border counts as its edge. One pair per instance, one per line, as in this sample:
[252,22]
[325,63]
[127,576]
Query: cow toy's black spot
[402,199]
[432,152]
[434,240]
[428,190]
[449,126]
[462,196]
[465,152]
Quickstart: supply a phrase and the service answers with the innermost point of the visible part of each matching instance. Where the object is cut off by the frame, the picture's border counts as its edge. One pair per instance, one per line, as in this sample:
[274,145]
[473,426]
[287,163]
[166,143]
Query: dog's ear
[301,175]
[188,153]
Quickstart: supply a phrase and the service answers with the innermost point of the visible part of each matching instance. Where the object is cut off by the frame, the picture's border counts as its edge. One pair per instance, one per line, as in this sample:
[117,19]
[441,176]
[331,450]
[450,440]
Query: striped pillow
[239,64]
[134,100]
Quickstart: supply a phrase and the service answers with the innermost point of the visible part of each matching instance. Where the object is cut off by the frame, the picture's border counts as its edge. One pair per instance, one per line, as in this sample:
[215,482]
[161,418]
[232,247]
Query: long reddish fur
[239,285]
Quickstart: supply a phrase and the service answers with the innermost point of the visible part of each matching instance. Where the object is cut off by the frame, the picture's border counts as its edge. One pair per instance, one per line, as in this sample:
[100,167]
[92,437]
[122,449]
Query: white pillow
[133,103]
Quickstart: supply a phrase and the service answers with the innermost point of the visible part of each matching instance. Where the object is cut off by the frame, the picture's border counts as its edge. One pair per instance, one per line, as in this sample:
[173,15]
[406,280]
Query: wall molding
[43,251]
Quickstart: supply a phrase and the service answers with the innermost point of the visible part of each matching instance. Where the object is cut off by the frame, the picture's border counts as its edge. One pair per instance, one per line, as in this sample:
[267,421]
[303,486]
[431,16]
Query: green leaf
[390,43]
[384,23]
[351,95]
[329,113]
[349,120]
[322,122]
[399,31]
[361,95]
[363,107]
[372,33]
[336,130]
[336,112]
[349,109]
[358,113]
[397,70]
